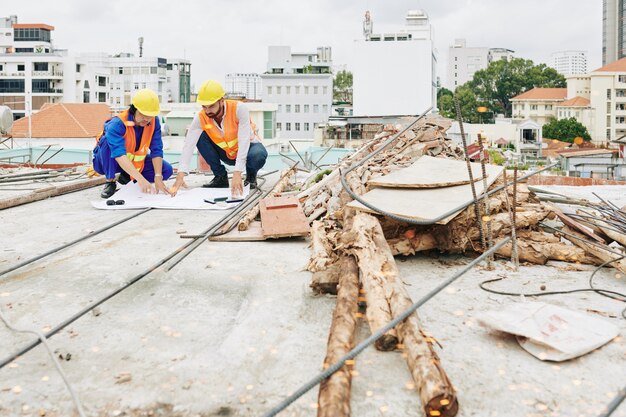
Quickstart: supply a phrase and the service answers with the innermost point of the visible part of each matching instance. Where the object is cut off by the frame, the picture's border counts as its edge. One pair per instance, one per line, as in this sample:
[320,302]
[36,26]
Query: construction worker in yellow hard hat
[131,144]
[223,132]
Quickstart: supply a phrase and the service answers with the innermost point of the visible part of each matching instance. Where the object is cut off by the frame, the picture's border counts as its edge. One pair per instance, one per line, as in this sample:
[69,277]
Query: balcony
[12,74]
[529,145]
[51,74]
[48,91]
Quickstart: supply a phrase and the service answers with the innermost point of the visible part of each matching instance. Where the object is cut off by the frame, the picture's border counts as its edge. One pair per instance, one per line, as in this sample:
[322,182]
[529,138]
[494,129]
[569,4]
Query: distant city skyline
[225,36]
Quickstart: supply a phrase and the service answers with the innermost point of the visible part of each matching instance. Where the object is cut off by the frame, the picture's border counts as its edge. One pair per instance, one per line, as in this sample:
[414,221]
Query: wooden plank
[425,203]
[283,222]
[576,225]
[52,191]
[253,233]
[430,172]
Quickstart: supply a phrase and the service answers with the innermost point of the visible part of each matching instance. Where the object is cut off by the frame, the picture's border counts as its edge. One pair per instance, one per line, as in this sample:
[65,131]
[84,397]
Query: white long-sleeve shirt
[245,136]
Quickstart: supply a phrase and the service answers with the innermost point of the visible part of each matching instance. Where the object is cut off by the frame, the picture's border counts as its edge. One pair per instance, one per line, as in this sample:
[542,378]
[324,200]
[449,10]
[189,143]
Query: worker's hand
[236,185]
[160,186]
[145,186]
[180,182]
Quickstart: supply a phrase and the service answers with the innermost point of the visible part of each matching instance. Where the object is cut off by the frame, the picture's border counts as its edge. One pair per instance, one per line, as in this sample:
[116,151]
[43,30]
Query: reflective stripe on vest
[228,141]
[137,157]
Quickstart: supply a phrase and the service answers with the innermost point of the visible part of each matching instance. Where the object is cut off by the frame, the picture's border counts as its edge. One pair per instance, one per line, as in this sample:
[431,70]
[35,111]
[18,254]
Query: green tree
[505,79]
[565,130]
[467,102]
[342,87]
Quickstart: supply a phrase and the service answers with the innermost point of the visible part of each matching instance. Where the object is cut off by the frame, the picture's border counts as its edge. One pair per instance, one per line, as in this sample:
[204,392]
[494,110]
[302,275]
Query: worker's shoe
[124,178]
[219,181]
[109,189]
[251,181]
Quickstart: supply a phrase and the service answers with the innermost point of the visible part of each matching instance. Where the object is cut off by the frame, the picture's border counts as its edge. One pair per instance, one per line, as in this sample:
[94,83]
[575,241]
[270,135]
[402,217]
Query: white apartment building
[538,104]
[464,61]
[608,101]
[126,73]
[302,86]
[569,62]
[33,71]
[244,85]
[394,73]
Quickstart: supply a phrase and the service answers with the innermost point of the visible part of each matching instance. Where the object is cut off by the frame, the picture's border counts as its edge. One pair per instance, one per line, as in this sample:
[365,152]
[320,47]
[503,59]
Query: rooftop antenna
[140,46]
[368,26]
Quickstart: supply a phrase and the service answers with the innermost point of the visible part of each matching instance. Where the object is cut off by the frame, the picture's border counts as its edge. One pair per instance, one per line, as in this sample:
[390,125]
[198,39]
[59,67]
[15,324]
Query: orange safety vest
[228,141]
[137,157]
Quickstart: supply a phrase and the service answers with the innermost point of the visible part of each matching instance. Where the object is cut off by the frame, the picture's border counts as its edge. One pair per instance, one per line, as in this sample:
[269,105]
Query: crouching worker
[131,144]
[223,132]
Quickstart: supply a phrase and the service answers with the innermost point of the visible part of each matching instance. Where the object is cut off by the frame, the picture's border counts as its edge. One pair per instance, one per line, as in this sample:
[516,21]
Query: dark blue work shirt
[115,129]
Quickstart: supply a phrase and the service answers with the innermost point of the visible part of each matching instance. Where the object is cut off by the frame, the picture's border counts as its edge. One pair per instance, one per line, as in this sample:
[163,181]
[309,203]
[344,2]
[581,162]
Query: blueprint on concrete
[185,199]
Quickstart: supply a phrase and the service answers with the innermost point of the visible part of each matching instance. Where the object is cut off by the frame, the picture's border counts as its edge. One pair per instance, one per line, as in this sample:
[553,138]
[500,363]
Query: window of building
[120,70]
[143,85]
[298,126]
[31,34]
[306,126]
[306,108]
[279,126]
[136,86]
[456,58]
[620,119]
[102,97]
[287,108]
[533,107]
[608,108]
[21,67]
[288,126]
[297,108]
[297,87]
[24,50]
[315,90]
[102,81]
[278,89]
[548,106]
[41,86]
[608,134]
[324,90]
[280,108]
[288,89]
[622,78]
[608,93]
[306,89]
[316,108]
[269,90]
[325,108]
[153,70]
[40,66]
[85,96]
[269,123]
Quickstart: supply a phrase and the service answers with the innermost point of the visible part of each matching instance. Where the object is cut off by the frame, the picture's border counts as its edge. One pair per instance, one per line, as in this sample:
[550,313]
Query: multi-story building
[613,30]
[608,101]
[126,73]
[464,61]
[301,84]
[33,72]
[538,104]
[394,73]
[244,85]
[569,62]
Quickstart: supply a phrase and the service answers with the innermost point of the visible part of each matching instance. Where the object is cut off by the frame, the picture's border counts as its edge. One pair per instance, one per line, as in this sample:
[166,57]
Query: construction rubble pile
[353,249]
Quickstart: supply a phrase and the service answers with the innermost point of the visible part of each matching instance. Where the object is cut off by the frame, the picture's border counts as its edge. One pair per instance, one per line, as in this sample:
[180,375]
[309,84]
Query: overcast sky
[222,36]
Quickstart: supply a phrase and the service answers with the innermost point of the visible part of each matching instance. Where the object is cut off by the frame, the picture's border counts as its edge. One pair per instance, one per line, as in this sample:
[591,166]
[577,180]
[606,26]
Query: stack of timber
[421,175]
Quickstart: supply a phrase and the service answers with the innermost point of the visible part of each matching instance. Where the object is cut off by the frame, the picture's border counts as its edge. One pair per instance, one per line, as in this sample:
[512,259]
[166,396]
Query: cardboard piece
[549,332]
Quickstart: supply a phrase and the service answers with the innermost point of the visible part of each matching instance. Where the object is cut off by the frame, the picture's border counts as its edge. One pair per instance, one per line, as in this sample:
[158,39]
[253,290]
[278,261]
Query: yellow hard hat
[147,102]
[210,91]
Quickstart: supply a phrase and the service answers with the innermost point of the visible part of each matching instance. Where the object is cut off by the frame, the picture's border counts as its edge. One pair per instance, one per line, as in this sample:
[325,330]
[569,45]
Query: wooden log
[51,191]
[376,262]
[540,253]
[322,249]
[280,185]
[334,392]
[599,252]
[378,312]
[326,281]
